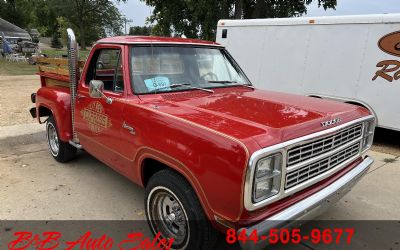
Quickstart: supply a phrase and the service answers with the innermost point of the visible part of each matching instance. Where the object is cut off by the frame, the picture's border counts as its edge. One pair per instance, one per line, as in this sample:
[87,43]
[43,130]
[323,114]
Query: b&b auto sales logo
[390,69]
[53,241]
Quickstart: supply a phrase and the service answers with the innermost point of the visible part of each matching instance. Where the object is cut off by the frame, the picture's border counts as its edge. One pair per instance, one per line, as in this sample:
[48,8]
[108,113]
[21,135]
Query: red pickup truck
[180,118]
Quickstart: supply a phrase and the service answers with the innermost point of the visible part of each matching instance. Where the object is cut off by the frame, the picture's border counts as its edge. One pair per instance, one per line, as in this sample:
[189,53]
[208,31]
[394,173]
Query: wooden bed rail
[56,65]
[55,71]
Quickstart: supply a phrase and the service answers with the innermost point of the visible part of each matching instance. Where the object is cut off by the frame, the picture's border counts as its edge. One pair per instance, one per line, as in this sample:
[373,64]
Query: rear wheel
[173,210]
[60,150]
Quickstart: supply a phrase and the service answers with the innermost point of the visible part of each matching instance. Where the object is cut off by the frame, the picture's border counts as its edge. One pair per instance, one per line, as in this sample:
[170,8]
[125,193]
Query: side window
[106,66]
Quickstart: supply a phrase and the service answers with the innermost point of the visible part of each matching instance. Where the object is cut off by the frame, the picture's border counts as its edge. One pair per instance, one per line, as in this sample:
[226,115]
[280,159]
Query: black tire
[61,151]
[199,234]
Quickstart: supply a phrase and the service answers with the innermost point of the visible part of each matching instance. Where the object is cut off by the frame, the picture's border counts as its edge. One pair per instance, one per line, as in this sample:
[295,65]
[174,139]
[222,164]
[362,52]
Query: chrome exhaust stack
[73,80]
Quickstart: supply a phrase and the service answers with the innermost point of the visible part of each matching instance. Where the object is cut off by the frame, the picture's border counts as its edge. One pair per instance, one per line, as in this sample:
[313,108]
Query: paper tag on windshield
[157,83]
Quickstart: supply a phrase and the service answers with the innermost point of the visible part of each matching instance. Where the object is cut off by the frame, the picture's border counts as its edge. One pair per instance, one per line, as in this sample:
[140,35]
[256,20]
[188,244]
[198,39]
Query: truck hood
[264,116]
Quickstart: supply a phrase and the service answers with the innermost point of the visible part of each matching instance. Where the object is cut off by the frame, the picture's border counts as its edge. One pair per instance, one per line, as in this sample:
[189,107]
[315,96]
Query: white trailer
[352,59]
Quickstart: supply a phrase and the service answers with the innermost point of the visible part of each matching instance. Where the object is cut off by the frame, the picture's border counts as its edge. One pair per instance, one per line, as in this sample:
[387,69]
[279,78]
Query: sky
[137,11]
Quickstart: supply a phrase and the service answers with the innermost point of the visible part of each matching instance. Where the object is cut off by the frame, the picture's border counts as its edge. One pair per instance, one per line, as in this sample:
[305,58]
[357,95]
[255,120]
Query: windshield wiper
[238,84]
[176,85]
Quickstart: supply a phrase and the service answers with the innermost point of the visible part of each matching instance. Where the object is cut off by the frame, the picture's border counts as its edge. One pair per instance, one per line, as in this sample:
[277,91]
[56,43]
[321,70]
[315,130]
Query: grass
[16,68]
[23,68]
[63,52]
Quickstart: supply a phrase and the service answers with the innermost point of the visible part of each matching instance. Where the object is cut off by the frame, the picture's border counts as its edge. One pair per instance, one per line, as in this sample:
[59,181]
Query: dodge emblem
[331,122]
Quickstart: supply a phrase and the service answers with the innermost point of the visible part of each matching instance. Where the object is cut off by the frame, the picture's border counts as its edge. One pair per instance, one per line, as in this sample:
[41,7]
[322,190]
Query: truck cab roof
[155,40]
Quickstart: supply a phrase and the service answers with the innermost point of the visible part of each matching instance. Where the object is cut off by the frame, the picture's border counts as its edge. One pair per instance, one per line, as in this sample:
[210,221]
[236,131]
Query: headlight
[267,177]
[368,136]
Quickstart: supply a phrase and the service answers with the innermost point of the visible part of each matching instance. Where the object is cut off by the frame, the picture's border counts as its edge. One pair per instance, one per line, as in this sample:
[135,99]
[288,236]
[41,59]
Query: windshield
[166,69]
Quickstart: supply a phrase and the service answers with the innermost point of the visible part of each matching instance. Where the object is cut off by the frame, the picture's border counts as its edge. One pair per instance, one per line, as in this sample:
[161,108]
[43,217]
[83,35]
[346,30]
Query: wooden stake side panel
[56,83]
[55,71]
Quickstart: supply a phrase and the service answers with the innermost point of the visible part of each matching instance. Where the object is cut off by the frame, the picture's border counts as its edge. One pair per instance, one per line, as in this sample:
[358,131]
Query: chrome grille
[309,171]
[319,146]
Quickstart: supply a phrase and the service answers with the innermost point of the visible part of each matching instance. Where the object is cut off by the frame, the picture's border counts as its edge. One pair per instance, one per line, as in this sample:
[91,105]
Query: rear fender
[55,102]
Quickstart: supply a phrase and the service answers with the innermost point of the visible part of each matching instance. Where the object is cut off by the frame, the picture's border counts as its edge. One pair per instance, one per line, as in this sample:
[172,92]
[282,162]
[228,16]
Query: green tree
[99,17]
[140,31]
[44,18]
[198,18]
[280,8]
[13,11]
[29,14]
[63,25]
[55,41]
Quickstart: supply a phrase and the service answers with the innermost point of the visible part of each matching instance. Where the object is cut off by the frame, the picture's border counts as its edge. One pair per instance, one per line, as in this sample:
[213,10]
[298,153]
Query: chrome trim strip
[282,148]
[310,207]
[345,100]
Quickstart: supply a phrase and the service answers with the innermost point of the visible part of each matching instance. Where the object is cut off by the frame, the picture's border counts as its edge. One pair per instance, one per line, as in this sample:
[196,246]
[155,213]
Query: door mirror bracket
[96,88]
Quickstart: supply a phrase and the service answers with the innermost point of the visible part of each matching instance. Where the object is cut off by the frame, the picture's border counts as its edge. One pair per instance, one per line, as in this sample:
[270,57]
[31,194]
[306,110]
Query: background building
[12,32]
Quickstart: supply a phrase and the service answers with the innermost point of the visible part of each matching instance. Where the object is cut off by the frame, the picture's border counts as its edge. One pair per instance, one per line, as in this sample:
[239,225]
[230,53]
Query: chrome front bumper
[308,208]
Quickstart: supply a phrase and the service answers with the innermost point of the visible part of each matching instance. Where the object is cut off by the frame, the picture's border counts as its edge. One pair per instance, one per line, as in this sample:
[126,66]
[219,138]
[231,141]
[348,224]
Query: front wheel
[60,150]
[173,210]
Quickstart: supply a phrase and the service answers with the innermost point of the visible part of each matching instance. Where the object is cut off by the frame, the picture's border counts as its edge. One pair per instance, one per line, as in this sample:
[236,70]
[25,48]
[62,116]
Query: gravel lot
[15,100]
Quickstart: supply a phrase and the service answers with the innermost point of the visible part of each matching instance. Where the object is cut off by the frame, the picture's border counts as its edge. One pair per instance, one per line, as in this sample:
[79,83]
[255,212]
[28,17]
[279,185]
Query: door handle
[129,128]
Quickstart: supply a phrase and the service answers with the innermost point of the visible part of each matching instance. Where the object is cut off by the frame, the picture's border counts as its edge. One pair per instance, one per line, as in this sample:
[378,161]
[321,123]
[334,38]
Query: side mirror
[96,88]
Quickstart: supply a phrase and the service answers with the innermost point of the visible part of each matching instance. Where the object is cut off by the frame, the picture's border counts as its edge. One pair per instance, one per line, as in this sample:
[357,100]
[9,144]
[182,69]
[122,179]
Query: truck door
[98,123]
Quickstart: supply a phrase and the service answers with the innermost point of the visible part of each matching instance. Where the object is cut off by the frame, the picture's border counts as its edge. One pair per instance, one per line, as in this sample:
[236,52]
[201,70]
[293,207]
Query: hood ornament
[330,122]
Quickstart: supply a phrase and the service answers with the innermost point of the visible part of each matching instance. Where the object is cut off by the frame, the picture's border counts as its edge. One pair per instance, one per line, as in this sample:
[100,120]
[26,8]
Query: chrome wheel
[52,139]
[168,216]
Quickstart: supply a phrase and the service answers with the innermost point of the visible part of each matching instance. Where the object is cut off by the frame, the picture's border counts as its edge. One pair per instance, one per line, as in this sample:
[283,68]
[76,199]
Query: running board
[76,145]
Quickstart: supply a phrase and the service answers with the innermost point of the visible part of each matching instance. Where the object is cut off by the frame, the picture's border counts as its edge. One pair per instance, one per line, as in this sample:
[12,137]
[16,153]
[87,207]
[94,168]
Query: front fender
[213,163]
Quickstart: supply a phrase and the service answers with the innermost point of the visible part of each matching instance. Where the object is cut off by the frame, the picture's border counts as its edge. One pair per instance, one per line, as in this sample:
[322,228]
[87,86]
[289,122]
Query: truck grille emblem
[330,122]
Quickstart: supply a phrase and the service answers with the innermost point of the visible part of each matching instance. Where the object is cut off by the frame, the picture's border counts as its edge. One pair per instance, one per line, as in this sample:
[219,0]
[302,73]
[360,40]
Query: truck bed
[54,71]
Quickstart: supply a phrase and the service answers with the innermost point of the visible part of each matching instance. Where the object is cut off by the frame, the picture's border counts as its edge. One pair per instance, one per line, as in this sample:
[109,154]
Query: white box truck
[353,59]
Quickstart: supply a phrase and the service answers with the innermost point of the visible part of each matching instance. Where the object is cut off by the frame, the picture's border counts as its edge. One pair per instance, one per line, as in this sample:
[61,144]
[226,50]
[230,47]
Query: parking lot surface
[34,186]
